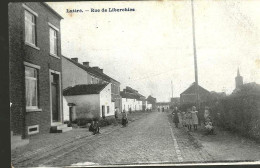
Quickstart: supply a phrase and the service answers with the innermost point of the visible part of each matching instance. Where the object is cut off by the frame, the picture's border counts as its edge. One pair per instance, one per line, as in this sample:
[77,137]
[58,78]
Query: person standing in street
[175,117]
[189,119]
[116,113]
[194,117]
[183,116]
[124,118]
[96,127]
[180,118]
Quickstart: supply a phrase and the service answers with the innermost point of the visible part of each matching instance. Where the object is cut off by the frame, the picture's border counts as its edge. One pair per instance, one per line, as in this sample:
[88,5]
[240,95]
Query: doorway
[55,97]
[103,111]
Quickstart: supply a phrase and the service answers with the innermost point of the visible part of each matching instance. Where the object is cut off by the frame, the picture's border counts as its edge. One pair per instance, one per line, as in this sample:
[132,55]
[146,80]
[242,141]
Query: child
[96,128]
[124,118]
[209,127]
[91,127]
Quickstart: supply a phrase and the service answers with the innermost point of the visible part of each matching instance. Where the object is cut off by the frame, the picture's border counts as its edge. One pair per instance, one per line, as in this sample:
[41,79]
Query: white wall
[149,106]
[134,104]
[106,100]
[86,105]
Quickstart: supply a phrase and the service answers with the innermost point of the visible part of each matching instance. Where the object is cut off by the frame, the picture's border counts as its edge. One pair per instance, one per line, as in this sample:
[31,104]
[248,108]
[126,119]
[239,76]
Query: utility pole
[195,56]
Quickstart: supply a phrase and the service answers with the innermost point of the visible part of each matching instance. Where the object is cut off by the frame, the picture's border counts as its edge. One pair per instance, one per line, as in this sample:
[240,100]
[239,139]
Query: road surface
[151,139]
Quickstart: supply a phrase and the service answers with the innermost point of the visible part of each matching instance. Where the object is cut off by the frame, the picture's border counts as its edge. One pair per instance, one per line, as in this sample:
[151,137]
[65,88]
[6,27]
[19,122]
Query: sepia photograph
[126,83]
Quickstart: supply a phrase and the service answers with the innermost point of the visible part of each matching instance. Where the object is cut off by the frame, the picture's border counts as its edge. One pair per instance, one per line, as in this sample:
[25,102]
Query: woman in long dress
[194,117]
[180,117]
[189,119]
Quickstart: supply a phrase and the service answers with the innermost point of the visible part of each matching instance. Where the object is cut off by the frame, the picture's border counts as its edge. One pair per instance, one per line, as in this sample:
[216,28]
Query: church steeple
[239,79]
[238,74]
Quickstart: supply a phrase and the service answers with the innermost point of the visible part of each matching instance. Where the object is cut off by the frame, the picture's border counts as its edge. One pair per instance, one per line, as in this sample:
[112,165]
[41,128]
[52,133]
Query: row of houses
[48,88]
[134,101]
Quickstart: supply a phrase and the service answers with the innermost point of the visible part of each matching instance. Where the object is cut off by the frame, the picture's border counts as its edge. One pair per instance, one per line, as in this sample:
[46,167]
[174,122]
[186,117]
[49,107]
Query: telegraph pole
[195,56]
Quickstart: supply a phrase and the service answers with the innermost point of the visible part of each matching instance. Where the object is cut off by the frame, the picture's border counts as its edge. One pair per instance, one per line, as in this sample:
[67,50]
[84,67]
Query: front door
[55,97]
[103,111]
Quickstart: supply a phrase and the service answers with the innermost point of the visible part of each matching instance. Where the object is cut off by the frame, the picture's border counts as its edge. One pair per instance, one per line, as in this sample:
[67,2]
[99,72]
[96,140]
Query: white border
[33,132]
[60,91]
[30,10]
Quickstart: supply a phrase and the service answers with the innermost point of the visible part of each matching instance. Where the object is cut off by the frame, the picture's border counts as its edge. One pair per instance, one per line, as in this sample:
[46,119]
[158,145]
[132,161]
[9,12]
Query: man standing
[124,118]
[175,117]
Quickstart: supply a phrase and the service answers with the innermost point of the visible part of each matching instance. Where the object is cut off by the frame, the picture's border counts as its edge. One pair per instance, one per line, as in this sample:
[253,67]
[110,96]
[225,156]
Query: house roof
[191,90]
[129,95]
[91,71]
[104,75]
[84,89]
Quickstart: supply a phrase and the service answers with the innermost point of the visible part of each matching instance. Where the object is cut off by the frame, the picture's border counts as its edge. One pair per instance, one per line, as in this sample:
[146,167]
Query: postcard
[120,83]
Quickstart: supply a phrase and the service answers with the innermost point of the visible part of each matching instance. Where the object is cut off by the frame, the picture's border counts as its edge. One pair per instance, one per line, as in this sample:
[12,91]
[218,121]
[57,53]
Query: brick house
[35,68]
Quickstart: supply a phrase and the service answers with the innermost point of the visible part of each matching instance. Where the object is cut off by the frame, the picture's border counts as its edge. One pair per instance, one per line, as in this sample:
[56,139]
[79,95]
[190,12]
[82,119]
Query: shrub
[238,113]
[107,121]
[82,121]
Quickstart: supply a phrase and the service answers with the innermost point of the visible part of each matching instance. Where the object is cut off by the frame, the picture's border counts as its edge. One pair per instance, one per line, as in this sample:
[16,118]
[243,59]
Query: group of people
[190,119]
[186,119]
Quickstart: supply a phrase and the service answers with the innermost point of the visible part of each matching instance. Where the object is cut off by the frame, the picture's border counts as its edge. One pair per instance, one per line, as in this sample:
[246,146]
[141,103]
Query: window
[30,34]
[31,87]
[53,42]
[92,80]
[107,109]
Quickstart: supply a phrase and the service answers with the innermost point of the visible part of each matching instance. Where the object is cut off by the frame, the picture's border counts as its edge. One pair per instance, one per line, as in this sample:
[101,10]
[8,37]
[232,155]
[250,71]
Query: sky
[152,46]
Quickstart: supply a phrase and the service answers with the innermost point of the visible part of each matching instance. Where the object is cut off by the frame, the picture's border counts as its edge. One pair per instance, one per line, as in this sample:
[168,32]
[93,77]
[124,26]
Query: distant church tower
[239,79]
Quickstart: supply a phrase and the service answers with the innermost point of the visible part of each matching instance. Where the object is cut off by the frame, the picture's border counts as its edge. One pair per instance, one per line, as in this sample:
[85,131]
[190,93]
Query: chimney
[101,70]
[86,64]
[75,59]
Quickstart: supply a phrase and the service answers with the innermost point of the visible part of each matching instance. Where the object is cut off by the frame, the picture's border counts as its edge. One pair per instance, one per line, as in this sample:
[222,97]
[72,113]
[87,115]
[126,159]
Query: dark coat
[175,117]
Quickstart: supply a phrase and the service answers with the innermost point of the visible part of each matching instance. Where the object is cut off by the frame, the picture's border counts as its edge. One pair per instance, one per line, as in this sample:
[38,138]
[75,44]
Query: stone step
[66,129]
[59,127]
